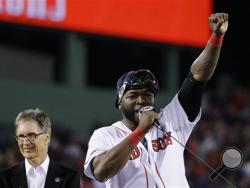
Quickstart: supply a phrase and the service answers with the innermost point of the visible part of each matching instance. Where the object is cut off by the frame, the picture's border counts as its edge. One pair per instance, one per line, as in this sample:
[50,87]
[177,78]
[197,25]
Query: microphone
[151,108]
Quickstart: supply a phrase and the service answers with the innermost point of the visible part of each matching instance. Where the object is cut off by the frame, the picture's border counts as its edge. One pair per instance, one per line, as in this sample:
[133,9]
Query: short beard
[130,115]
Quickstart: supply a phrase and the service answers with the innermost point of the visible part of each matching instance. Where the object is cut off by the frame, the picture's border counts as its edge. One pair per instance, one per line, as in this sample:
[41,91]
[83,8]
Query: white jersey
[159,165]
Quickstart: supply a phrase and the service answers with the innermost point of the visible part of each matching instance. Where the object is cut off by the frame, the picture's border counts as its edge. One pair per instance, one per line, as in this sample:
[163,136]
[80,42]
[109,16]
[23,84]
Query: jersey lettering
[135,154]
[162,143]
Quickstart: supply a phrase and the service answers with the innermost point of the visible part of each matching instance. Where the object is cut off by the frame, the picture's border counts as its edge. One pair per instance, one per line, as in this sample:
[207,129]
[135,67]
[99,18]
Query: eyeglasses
[30,136]
[139,79]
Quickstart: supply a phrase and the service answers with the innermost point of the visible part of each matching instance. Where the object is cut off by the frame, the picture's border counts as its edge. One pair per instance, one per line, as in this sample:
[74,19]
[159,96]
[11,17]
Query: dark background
[123,54]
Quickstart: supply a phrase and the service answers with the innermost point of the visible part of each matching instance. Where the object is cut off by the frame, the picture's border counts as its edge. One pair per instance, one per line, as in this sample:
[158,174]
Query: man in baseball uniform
[133,153]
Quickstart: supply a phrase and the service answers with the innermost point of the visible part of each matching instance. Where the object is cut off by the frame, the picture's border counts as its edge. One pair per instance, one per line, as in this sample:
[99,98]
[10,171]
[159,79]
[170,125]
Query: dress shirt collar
[44,166]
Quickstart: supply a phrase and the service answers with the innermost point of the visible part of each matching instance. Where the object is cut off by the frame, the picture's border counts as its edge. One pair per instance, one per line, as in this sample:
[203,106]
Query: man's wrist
[136,136]
[216,39]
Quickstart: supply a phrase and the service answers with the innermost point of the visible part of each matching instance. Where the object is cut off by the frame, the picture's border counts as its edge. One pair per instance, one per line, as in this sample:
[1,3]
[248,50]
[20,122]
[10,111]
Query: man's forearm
[110,162]
[204,66]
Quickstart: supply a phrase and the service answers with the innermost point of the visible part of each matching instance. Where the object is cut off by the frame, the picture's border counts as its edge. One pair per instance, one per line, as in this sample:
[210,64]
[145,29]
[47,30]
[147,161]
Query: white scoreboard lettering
[14,7]
[36,9]
[58,12]
[1,6]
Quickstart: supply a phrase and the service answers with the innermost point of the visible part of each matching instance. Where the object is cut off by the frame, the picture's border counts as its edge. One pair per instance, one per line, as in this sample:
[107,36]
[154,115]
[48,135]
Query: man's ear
[120,105]
[47,139]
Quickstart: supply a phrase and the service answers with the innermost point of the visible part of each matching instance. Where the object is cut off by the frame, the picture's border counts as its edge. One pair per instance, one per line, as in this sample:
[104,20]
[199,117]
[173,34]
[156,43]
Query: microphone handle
[157,124]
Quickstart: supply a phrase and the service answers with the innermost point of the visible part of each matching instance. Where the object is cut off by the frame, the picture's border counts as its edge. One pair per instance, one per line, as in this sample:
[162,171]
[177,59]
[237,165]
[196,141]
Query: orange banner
[183,22]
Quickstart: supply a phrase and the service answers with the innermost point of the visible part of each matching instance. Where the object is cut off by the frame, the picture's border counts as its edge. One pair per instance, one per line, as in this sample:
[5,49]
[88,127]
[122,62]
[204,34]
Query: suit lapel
[54,176]
[18,179]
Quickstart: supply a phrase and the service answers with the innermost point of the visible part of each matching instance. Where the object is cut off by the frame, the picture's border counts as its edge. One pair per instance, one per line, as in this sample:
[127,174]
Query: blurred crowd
[225,124]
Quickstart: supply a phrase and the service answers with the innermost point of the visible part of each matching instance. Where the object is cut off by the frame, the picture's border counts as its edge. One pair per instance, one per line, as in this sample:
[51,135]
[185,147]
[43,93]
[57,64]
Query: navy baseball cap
[139,79]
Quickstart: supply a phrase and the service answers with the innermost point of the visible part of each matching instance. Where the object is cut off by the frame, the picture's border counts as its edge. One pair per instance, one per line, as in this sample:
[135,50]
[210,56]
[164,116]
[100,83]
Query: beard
[131,116]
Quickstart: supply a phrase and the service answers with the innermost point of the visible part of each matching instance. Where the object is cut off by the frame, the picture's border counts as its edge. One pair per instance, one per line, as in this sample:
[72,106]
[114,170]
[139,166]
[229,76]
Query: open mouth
[145,109]
[137,111]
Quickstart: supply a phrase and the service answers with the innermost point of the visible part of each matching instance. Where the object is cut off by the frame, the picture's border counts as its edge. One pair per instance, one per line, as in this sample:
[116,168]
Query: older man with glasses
[33,134]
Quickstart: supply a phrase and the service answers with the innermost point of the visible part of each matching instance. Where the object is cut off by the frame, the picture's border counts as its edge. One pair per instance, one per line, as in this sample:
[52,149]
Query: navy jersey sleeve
[190,96]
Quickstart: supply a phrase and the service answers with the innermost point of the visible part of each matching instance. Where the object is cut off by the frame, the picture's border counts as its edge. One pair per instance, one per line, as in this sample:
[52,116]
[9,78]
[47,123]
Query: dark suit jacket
[58,176]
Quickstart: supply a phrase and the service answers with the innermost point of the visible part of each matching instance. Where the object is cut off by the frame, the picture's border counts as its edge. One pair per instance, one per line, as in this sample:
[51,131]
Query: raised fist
[218,23]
